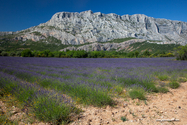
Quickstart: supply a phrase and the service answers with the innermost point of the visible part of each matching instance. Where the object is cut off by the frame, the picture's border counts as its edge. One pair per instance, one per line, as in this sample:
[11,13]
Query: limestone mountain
[88,27]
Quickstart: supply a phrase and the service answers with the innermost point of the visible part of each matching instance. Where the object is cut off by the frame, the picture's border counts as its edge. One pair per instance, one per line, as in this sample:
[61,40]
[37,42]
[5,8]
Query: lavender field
[54,86]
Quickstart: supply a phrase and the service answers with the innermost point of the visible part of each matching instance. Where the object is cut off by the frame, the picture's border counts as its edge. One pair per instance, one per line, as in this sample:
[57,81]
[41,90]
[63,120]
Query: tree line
[85,54]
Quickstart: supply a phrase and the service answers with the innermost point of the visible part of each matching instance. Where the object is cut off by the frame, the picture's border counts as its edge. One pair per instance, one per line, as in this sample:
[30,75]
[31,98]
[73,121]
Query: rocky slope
[87,27]
[104,46]
[8,33]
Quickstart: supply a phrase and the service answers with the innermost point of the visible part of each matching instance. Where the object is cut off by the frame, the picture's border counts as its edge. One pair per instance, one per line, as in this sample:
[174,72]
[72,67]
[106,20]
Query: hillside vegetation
[50,47]
[153,47]
[50,43]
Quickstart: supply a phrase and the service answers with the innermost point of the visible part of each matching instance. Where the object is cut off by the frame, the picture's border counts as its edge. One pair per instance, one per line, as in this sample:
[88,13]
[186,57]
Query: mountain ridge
[74,28]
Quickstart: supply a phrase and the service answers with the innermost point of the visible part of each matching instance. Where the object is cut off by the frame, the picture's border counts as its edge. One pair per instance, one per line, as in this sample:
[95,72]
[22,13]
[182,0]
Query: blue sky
[21,14]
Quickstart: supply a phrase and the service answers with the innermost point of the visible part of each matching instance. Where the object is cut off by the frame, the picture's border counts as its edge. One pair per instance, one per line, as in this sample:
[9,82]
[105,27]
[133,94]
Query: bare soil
[169,106]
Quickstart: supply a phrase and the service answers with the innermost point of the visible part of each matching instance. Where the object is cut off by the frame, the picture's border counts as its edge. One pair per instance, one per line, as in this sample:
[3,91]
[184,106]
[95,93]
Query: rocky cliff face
[88,27]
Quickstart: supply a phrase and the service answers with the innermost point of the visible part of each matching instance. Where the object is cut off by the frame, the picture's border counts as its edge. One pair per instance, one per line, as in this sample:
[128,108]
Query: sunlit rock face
[86,27]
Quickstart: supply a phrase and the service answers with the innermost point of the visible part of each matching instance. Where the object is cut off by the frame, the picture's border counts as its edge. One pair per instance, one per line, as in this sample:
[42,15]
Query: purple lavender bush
[48,105]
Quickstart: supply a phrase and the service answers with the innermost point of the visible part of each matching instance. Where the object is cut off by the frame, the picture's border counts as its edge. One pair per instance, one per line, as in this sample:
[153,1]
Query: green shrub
[4,53]
[37,33]
[18,53]
[163,90]
[169,55]
[174,84]
[163,77]
[166,55]
[1,52]
[137,93]
[182,80]
[119,89]
[12,54]
[150,87]
[123,118]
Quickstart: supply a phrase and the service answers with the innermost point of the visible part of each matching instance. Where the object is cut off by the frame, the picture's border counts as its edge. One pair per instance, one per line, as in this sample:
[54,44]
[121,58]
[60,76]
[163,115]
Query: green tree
[50,54]
[18,53]
[136,53]
[146,53]
[181,53]
[80,54]
[57,54]
[26,53]
[130,55]
[46,53]
[94,54]
[12,54]
[76,54]
[35,53]
[69,54]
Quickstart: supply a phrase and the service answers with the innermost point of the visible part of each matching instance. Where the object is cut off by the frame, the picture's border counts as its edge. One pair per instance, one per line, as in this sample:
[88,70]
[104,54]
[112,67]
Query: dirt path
[172,105]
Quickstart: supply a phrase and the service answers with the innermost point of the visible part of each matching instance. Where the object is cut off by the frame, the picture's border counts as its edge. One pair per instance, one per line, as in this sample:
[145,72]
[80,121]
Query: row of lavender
[91,81]
[112,68]
[100,73]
